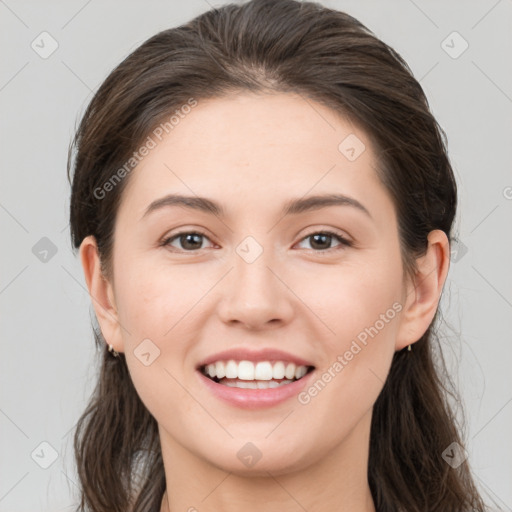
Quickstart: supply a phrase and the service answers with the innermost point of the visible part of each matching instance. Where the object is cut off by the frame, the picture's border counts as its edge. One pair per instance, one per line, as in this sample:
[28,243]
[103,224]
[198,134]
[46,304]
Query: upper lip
[244,354]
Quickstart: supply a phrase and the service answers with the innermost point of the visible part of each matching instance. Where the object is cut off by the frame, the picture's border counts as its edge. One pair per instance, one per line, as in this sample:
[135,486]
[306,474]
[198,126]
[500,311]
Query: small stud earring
[112,351]
[409,348]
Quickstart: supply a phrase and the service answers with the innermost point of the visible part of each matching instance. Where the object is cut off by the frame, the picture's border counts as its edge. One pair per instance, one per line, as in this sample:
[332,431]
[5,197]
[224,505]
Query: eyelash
[343,241]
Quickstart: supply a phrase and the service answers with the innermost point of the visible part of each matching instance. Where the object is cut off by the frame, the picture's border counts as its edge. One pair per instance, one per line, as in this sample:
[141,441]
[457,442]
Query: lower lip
[255,398]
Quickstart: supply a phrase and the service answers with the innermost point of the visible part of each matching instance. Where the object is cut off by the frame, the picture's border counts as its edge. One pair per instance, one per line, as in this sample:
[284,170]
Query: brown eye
[322,240]
[188,241]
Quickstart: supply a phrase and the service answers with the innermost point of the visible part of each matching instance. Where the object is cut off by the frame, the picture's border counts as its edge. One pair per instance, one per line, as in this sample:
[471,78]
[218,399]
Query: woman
[263,205]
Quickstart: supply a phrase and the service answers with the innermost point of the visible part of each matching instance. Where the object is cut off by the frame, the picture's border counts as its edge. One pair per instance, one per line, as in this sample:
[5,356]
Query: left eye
[324,238]
[320,241]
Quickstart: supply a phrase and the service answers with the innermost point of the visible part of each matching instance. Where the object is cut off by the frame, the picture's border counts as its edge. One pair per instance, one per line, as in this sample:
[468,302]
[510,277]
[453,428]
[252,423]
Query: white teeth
[220,370]
[211,370]
[246,384]
[246,370]
[231,370]
[300,372]
[262,371]
[278,370]
[261,384]
[289,373]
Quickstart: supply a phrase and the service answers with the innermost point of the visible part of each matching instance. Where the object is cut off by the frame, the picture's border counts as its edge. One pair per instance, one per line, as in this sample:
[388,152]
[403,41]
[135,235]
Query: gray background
[47,353]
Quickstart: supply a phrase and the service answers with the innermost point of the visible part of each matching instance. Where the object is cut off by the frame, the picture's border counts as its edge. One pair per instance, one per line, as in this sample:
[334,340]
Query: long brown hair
[329,57]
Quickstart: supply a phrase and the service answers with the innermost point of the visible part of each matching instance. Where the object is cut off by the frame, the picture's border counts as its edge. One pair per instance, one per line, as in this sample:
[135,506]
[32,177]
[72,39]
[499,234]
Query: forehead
[256,146]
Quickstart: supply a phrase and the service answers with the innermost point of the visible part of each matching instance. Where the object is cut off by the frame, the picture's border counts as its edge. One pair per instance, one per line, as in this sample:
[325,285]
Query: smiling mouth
[249,375]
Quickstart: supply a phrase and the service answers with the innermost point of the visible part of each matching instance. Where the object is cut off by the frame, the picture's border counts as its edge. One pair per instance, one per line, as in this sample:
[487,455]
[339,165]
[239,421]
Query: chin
[255,459]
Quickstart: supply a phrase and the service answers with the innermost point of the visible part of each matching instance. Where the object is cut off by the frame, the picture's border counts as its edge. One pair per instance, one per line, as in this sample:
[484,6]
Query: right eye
[189,240]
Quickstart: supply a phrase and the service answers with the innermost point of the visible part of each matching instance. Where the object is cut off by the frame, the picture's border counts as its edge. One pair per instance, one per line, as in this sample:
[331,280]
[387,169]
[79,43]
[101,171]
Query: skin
[252,153]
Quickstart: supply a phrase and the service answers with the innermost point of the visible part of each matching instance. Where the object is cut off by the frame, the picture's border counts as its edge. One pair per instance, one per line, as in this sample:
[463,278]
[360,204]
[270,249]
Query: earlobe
[101,293]
[425,289]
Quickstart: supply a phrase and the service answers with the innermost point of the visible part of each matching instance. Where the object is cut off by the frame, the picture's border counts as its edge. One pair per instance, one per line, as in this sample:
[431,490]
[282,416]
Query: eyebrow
[292,207]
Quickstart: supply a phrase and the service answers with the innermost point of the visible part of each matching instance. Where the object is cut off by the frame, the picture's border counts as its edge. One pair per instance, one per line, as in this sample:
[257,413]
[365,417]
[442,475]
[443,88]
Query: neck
[336,482]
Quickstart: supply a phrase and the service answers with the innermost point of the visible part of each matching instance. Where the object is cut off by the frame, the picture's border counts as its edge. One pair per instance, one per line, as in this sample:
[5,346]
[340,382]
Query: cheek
[353,298]
[156,307]
[364,313]
[361,307]
[154,297]
[159,307]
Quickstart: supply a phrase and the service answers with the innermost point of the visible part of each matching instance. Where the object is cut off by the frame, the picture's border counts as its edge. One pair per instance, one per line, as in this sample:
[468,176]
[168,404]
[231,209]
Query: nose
[254,295]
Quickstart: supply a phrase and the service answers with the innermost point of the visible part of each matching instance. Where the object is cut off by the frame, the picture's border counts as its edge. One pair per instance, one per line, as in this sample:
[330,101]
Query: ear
[101,293]
[423,291]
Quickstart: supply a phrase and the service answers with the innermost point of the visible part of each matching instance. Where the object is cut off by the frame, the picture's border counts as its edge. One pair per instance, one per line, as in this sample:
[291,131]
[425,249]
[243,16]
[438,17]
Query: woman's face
[259,275]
